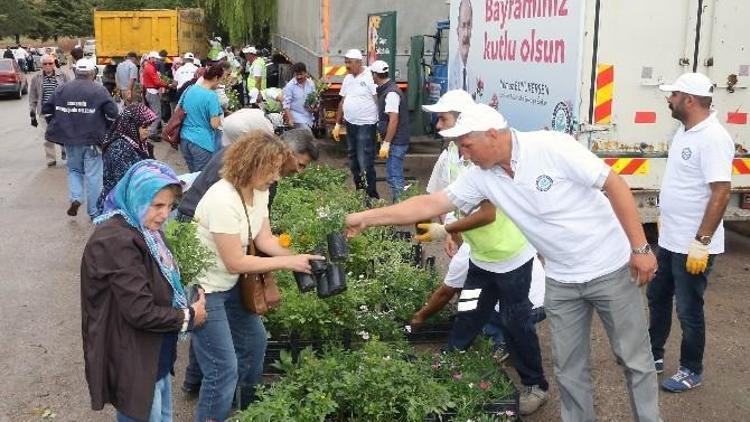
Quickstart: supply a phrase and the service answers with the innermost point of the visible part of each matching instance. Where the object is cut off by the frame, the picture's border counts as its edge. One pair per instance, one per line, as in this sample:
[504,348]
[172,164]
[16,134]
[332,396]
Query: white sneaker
[532,398]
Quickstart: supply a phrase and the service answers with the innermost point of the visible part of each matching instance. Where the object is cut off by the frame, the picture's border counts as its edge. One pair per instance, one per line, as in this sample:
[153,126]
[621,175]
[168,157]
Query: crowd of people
[536,226]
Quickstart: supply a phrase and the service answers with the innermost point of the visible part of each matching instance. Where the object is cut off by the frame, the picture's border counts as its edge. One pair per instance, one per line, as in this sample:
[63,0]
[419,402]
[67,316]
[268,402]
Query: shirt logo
[544,183]
[686,153]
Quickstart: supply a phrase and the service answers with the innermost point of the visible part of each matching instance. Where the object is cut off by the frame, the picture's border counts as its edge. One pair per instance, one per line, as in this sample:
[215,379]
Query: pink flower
[484,385]
[457,376]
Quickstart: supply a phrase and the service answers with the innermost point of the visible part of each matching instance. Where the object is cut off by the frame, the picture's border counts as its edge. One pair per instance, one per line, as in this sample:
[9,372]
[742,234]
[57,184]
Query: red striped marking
[737,118]
[606,77]
[645,117]
[603,110]
[634,164]
[610,161]
[741,167]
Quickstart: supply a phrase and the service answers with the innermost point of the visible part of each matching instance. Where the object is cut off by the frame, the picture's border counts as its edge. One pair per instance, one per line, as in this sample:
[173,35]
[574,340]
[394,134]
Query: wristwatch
[643,250]
[705,239]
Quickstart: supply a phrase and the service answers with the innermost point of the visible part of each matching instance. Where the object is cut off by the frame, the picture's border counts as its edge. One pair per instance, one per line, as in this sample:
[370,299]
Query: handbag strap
[250,243]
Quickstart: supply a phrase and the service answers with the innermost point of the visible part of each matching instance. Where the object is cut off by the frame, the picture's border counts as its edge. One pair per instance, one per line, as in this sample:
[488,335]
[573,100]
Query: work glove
[697,259]
[336,132]
[433,232]
[385,149]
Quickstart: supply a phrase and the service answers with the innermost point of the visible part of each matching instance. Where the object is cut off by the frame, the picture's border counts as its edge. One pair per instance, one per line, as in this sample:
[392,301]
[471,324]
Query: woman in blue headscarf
[133,304]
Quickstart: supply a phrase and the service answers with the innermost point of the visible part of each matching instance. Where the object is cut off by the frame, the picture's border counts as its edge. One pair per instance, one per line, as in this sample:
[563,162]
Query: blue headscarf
[131,199]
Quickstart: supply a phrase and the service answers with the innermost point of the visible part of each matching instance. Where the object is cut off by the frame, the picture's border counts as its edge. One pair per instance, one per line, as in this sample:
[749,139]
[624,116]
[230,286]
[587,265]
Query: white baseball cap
[476,118]
[353,54]
[189,56]
[691,83]
[249,50]
[454,100]
[379,66]
[85,65]
[153,55]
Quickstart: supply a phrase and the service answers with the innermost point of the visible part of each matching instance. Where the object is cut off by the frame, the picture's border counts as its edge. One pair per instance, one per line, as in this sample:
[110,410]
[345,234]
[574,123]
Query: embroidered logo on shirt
[686,153]
[544,183]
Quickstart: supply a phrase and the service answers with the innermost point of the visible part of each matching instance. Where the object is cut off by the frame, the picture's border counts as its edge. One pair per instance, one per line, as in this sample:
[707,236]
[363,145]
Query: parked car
[12,79]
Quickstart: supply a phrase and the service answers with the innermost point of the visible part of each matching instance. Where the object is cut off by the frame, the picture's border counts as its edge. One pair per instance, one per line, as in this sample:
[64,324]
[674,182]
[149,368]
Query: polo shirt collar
[703,124]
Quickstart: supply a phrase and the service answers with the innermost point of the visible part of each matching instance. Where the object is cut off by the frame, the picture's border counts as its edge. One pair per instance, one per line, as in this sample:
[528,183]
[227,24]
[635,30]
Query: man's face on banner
[464,29]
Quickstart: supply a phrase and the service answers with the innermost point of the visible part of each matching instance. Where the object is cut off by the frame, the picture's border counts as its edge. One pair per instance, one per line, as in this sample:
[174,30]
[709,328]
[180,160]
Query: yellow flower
[285,240]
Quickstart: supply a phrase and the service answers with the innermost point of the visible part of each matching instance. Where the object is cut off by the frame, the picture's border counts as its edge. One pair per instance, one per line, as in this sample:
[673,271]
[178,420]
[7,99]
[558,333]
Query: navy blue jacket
[79,113]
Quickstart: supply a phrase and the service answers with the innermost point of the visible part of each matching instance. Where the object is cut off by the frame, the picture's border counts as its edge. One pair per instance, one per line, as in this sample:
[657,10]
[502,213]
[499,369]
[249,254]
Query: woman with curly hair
[231,344]
[125,144]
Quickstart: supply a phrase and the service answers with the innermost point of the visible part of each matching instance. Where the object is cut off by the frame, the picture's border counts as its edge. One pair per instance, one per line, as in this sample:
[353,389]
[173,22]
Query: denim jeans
[161,407]
[672,280]
[361,148]
[85,169]
[394,170]
[195,157]
[493,327]
[153,101]
[512,290]
[229,348]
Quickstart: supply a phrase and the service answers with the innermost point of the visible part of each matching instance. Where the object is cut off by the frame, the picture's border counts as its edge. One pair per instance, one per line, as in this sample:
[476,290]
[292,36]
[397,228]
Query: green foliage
[381,382]
[242,20]
[17,17]
[145,4]
[193,258]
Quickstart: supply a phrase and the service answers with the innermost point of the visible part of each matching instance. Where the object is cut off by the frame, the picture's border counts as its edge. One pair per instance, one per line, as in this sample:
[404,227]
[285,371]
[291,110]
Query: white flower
[322,212]
[407,328]
[363,307]
[361,276]
[364,334]
[471,385]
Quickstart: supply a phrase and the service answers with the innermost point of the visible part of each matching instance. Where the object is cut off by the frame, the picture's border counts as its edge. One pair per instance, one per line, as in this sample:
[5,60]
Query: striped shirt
[49,84]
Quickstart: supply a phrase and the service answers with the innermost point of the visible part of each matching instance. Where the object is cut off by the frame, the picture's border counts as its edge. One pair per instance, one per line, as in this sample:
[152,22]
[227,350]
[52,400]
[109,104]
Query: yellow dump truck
[177,31]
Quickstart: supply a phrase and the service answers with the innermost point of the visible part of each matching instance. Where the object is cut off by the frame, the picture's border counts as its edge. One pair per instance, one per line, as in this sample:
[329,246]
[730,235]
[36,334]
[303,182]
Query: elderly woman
[231,345]
[203,118]
[125,144]
[133,305]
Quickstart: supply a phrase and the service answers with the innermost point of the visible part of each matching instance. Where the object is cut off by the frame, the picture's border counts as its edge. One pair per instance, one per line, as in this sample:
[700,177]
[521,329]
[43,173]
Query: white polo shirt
[359,105]
[697,157]
[556,200]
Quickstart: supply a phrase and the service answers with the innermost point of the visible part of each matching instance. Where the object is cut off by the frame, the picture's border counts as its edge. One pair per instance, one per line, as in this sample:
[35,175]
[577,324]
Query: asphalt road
[41,360]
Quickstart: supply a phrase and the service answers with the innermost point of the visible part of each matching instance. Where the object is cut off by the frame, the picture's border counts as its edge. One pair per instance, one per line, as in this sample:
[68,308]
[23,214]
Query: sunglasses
[48,63]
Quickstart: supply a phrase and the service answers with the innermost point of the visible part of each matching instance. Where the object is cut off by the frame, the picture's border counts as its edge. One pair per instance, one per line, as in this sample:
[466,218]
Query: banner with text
[522,57]
[381,39]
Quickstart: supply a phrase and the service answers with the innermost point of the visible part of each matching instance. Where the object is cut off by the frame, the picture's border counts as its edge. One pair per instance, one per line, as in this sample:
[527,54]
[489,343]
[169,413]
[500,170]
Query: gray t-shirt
[126,71]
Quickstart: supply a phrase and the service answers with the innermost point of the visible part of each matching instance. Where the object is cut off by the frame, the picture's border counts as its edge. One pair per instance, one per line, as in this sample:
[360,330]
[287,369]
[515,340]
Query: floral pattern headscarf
[131,199]
[126,126]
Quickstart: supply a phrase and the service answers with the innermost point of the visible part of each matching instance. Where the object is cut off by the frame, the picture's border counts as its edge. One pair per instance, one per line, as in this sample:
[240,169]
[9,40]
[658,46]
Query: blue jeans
[673,280]
[394,170]
[85,169]
[361,148]
[512,290]
[493,327]
[195,157]
[161,407]
[229,348]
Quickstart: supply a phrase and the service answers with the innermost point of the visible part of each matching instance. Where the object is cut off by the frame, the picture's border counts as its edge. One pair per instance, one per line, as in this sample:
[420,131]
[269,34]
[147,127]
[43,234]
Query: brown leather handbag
[171,132]
[258,291]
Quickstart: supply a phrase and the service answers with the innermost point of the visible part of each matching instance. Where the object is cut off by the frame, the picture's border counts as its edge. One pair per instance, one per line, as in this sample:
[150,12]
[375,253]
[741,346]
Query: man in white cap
[694,194]
[79,114]
[256,74]
[187,71]
[596,254]
[359,110]
[393,127]
[153,85]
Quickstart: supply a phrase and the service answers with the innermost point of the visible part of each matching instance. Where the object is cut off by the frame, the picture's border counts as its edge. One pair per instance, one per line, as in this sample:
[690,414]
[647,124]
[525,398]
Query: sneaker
[659,365]
[73,209]
[501,353]
[51,163]
[532,398]
[683,380]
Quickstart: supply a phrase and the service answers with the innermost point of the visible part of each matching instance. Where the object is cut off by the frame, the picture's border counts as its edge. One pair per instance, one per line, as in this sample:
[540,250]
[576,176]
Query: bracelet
[186,321]
[643,250]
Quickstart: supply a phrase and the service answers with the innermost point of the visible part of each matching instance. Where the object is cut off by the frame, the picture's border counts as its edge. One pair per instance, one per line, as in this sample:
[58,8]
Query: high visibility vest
[251,79]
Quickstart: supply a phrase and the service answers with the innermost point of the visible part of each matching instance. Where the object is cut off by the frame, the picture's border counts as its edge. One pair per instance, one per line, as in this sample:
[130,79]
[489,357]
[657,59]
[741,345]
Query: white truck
[593,67]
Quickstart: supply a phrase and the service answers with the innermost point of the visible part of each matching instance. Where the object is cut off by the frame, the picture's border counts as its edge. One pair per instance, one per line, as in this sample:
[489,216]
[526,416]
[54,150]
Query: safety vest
[498,241]
[251,79]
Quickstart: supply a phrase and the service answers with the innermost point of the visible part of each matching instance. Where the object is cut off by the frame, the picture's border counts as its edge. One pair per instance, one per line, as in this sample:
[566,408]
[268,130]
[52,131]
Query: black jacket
[79,113]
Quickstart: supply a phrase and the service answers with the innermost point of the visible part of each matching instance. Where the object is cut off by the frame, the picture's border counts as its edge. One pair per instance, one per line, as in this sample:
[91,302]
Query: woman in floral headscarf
[125,145]
[133,304]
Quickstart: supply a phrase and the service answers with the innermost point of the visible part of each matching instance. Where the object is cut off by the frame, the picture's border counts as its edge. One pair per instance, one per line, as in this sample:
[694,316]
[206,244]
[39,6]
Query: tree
[242,20]
[145,4]
[17,18]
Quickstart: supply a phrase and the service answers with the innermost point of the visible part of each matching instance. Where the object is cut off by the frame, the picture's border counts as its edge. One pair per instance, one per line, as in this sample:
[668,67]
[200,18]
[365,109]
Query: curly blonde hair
[256,152]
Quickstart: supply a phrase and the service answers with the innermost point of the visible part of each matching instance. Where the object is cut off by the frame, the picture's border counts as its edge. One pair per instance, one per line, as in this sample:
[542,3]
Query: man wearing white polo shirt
[595,251]
[358,108]
[694,195]
[187,71]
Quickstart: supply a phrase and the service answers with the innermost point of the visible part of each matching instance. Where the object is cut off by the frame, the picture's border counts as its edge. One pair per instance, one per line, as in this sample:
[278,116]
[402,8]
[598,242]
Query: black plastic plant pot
[321,278]
[338,250]
[305,282]
[416,255]
[429,263]
[336,278]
